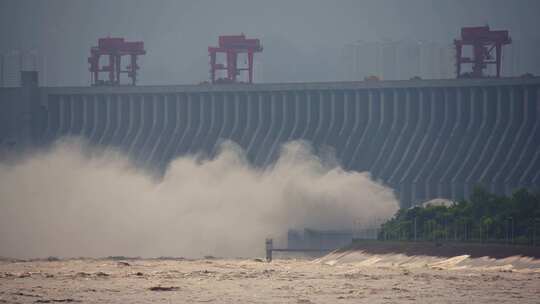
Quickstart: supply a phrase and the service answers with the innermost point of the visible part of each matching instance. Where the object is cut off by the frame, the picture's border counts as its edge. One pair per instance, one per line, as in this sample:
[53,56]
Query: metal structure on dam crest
[424,138]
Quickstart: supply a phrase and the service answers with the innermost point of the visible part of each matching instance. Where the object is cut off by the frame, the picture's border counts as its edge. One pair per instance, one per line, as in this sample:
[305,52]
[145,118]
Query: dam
[423,138]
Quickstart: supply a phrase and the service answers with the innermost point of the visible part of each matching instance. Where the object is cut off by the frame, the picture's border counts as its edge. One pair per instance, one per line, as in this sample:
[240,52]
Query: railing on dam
[425,139]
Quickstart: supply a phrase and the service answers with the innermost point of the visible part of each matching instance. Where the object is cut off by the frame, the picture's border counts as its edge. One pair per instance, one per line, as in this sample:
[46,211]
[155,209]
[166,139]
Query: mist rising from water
[68,202]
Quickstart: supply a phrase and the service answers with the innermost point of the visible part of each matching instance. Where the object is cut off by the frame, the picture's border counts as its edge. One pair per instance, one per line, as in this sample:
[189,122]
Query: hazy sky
[302,39]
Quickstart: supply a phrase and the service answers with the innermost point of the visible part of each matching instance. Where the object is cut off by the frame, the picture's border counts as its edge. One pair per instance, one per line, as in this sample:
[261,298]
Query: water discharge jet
[76,201]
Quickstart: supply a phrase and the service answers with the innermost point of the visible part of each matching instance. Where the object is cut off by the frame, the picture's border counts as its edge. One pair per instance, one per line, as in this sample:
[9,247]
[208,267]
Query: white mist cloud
[68,202]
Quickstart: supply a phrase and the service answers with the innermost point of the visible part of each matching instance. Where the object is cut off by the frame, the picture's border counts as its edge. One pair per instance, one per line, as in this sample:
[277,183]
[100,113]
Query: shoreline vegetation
[483,218]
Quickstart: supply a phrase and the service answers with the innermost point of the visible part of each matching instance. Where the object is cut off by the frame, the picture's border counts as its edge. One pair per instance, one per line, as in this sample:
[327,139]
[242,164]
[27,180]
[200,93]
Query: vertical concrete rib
[393,158]
[225,118]
[536,179]
[387,139]
[429,143]
[263,151]
[108,119]
[332,118]
[290,119]
[533,142]
[519,165]
[207,144]
[125,142]
[316,136]
[47,133]
[71,102]
[225,111]
[252,110]
[222,112]
[185,142]
[206,127]
[183,138]
[456,156]
[272,143]
[423,146]
[162,128]
[349,146]
[126,111]
[333,138]
[84,125]
[324,119]
[488,171]
[403,163]
[48,124]
[304,135]
[101,115]
[264,114]
[514,137]
[377,135]
[200,125]
[95,114]
[280,134]
[258,123]
[170,142]
[63,115]
[61,119]
[139,127]
[120,120]
[349,106]
[466,145]
[443,157]
[202,129]
[486,135]
[360,143]
[406,140]
[66,130]
[77,108]
[451,144]
[147,140]
[472,151]
[296,117]
[420,136]
[117,119]
[239,121]
[346,107]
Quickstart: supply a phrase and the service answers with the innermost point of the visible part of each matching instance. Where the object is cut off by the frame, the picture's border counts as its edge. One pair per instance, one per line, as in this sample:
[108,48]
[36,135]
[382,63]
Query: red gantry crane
[483,41]
[114,49]
[231,46]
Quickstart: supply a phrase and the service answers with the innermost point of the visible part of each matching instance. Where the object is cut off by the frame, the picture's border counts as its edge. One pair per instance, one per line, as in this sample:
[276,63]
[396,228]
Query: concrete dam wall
[424,138]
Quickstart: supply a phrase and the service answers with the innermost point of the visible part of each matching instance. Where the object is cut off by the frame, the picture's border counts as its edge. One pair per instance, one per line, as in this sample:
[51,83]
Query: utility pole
[2,70]
[415,228]
[534,231]
[507,234]
[480,231]
[512,219]
[269,246]
[510,230]
[445,229]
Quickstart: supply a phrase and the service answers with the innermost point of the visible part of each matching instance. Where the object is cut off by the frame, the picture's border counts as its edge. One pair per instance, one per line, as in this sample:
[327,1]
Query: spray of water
[69,202]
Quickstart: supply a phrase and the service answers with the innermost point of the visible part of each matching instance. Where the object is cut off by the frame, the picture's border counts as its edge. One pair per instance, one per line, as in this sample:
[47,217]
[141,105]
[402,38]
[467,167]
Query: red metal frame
[114,49]
[231,46]
[483,41]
